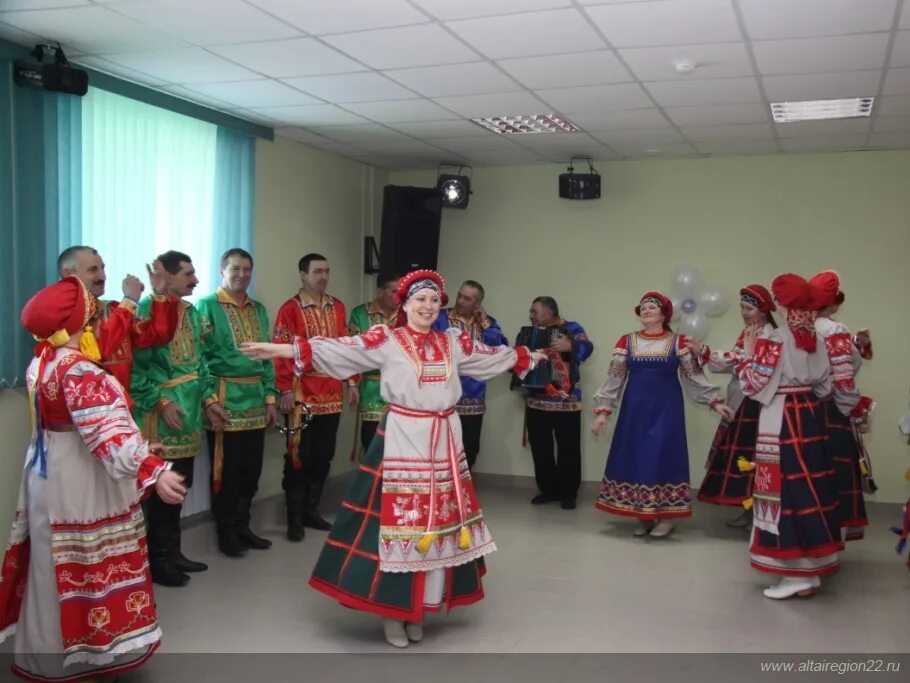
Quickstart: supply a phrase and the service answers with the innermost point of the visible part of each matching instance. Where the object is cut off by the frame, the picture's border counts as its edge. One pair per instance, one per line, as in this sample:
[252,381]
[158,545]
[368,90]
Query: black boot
[164,573]
[184,564]
[294,502]
[244,533]
[229,542]
[311,517]
[163,541]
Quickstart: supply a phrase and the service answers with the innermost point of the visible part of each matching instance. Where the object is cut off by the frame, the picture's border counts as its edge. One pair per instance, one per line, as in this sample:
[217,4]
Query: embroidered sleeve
[840,349]
[100,414]
[755,372]
[159,327]
[725,361]
[283,333]
[607,397]
[581,344]
[476,359]
[343,357]
[692,377]
[115,327]
[492,334]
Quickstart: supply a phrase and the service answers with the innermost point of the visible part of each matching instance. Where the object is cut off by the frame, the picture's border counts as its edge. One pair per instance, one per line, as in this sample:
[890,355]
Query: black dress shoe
[230,544]
[168,575]
[251,540]
[313,520]
[542,498]
[186,565]
[568,503]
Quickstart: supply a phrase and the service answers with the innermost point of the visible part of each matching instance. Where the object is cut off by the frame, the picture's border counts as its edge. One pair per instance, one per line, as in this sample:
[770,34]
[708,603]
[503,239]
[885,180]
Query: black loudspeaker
[410,228]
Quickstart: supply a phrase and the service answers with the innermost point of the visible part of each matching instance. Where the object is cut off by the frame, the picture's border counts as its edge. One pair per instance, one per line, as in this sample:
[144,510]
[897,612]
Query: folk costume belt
[218,461]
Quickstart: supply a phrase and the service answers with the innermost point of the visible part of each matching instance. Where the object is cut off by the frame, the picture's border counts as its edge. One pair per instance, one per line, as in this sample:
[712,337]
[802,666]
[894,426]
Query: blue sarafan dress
[647,472]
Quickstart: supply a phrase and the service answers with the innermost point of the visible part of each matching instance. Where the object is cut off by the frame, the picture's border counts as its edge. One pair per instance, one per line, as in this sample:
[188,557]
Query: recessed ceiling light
[819,110]
[527,124]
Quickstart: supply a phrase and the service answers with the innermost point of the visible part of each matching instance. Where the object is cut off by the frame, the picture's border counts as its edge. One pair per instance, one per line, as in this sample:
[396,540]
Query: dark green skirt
[348,566]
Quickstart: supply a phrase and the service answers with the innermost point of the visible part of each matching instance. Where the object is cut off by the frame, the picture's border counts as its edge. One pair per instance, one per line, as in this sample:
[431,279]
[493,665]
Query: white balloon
[695,325]
[686,281]
[677,306]
[713,301]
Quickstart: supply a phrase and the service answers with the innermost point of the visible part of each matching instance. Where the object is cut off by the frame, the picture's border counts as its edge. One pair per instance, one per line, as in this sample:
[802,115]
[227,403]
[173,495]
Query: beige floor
[562,582]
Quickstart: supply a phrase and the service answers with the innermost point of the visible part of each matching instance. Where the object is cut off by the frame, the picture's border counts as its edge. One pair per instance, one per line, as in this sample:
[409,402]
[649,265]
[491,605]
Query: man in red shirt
[116,326]
[311,313]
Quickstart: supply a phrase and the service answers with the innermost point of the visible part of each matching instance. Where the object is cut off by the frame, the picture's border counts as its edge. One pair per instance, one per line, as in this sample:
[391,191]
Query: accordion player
[558,376]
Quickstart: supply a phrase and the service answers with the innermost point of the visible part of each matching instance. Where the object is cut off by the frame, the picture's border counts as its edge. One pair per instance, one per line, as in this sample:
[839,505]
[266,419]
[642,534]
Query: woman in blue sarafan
[647,472]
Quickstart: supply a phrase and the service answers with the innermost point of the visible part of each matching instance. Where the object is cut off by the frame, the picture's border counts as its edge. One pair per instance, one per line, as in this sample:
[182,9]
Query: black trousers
[470,437]
[163,520]
[240,472]
[558,472]
[367,432]
[317,448]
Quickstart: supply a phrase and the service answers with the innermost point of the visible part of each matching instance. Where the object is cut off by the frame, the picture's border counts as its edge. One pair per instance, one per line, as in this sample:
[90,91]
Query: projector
[56,77]
[579,185]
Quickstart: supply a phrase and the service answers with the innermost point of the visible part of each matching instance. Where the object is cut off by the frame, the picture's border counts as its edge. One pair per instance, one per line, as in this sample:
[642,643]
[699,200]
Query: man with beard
[311,313]
[116,326]
[172,388]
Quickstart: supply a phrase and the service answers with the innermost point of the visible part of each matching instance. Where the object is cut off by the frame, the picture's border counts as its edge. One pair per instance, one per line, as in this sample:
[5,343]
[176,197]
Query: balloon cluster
[693,302]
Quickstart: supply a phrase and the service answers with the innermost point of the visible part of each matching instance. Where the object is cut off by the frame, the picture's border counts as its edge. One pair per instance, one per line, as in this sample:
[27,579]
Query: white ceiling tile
[900,54]
[890,140]
[299,134]
[464,9]
[788,19]
[529,34]
[118,70]
[477,106]
[400,111]
[396,48]
[821,55]
[491,142]
[93,30]
[738,131]
[822,86]
[312,115]
[398,147]
[720,60]
[442,129]
[698,93]
[357,87]
[337,148]
[10,5]
[367,132]
[258,93]
[210,21]
[596,98]
[657,151]
[642,137]
[897,81]
[827,143]
[476,78]
[193,96]
[24,38]
[894,105]
[183,66]
[289,58]
[255,117]
[564,71]
[619,120]
[736,147]
[719,114]
[515,157]
[823,128]
[892,124]
[334,16]
[542,142]
[668,22]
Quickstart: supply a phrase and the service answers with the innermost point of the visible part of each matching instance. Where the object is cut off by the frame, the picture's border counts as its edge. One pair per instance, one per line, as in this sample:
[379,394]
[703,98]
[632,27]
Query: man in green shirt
[246,388]
[380,311]
[172,389]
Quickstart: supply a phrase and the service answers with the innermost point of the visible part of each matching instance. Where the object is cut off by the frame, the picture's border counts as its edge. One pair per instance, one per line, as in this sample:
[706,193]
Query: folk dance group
[120,394]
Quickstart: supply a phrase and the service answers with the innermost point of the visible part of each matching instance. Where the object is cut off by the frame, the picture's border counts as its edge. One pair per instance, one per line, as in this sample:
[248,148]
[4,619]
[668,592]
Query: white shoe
[789,586]
[395,633]
[663,528]
[414,631]
[742,521]
[643,528]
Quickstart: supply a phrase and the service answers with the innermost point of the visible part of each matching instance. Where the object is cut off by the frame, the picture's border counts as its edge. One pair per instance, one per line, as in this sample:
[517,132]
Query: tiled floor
[562,582]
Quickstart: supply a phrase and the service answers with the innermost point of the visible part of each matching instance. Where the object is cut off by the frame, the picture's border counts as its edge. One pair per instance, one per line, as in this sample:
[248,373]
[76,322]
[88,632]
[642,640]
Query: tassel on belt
[439,418]
[218,460]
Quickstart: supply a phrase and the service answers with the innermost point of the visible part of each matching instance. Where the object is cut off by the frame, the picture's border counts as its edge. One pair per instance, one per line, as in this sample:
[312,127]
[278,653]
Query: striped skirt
[724,484]
[847,475]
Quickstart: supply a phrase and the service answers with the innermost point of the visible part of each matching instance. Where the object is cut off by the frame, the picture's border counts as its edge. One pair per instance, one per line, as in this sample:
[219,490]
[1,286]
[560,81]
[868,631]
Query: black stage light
[455,188]
[58,76]
[580,185]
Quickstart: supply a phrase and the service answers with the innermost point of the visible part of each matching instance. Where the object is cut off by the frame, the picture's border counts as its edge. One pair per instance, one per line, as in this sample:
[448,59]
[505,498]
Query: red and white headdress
[415,281]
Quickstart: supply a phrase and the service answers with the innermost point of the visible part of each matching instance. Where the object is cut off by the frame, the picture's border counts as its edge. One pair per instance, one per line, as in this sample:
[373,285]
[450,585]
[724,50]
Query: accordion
[556,377]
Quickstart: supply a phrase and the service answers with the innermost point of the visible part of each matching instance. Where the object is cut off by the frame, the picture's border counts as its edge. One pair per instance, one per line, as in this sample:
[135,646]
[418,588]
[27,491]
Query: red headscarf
[57,312]
[794,292]
[666,306]
[758,296]
[826,286]
[414,282]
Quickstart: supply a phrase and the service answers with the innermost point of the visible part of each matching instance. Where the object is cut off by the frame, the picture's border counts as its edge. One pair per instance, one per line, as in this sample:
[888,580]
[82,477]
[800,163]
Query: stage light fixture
[454,187]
